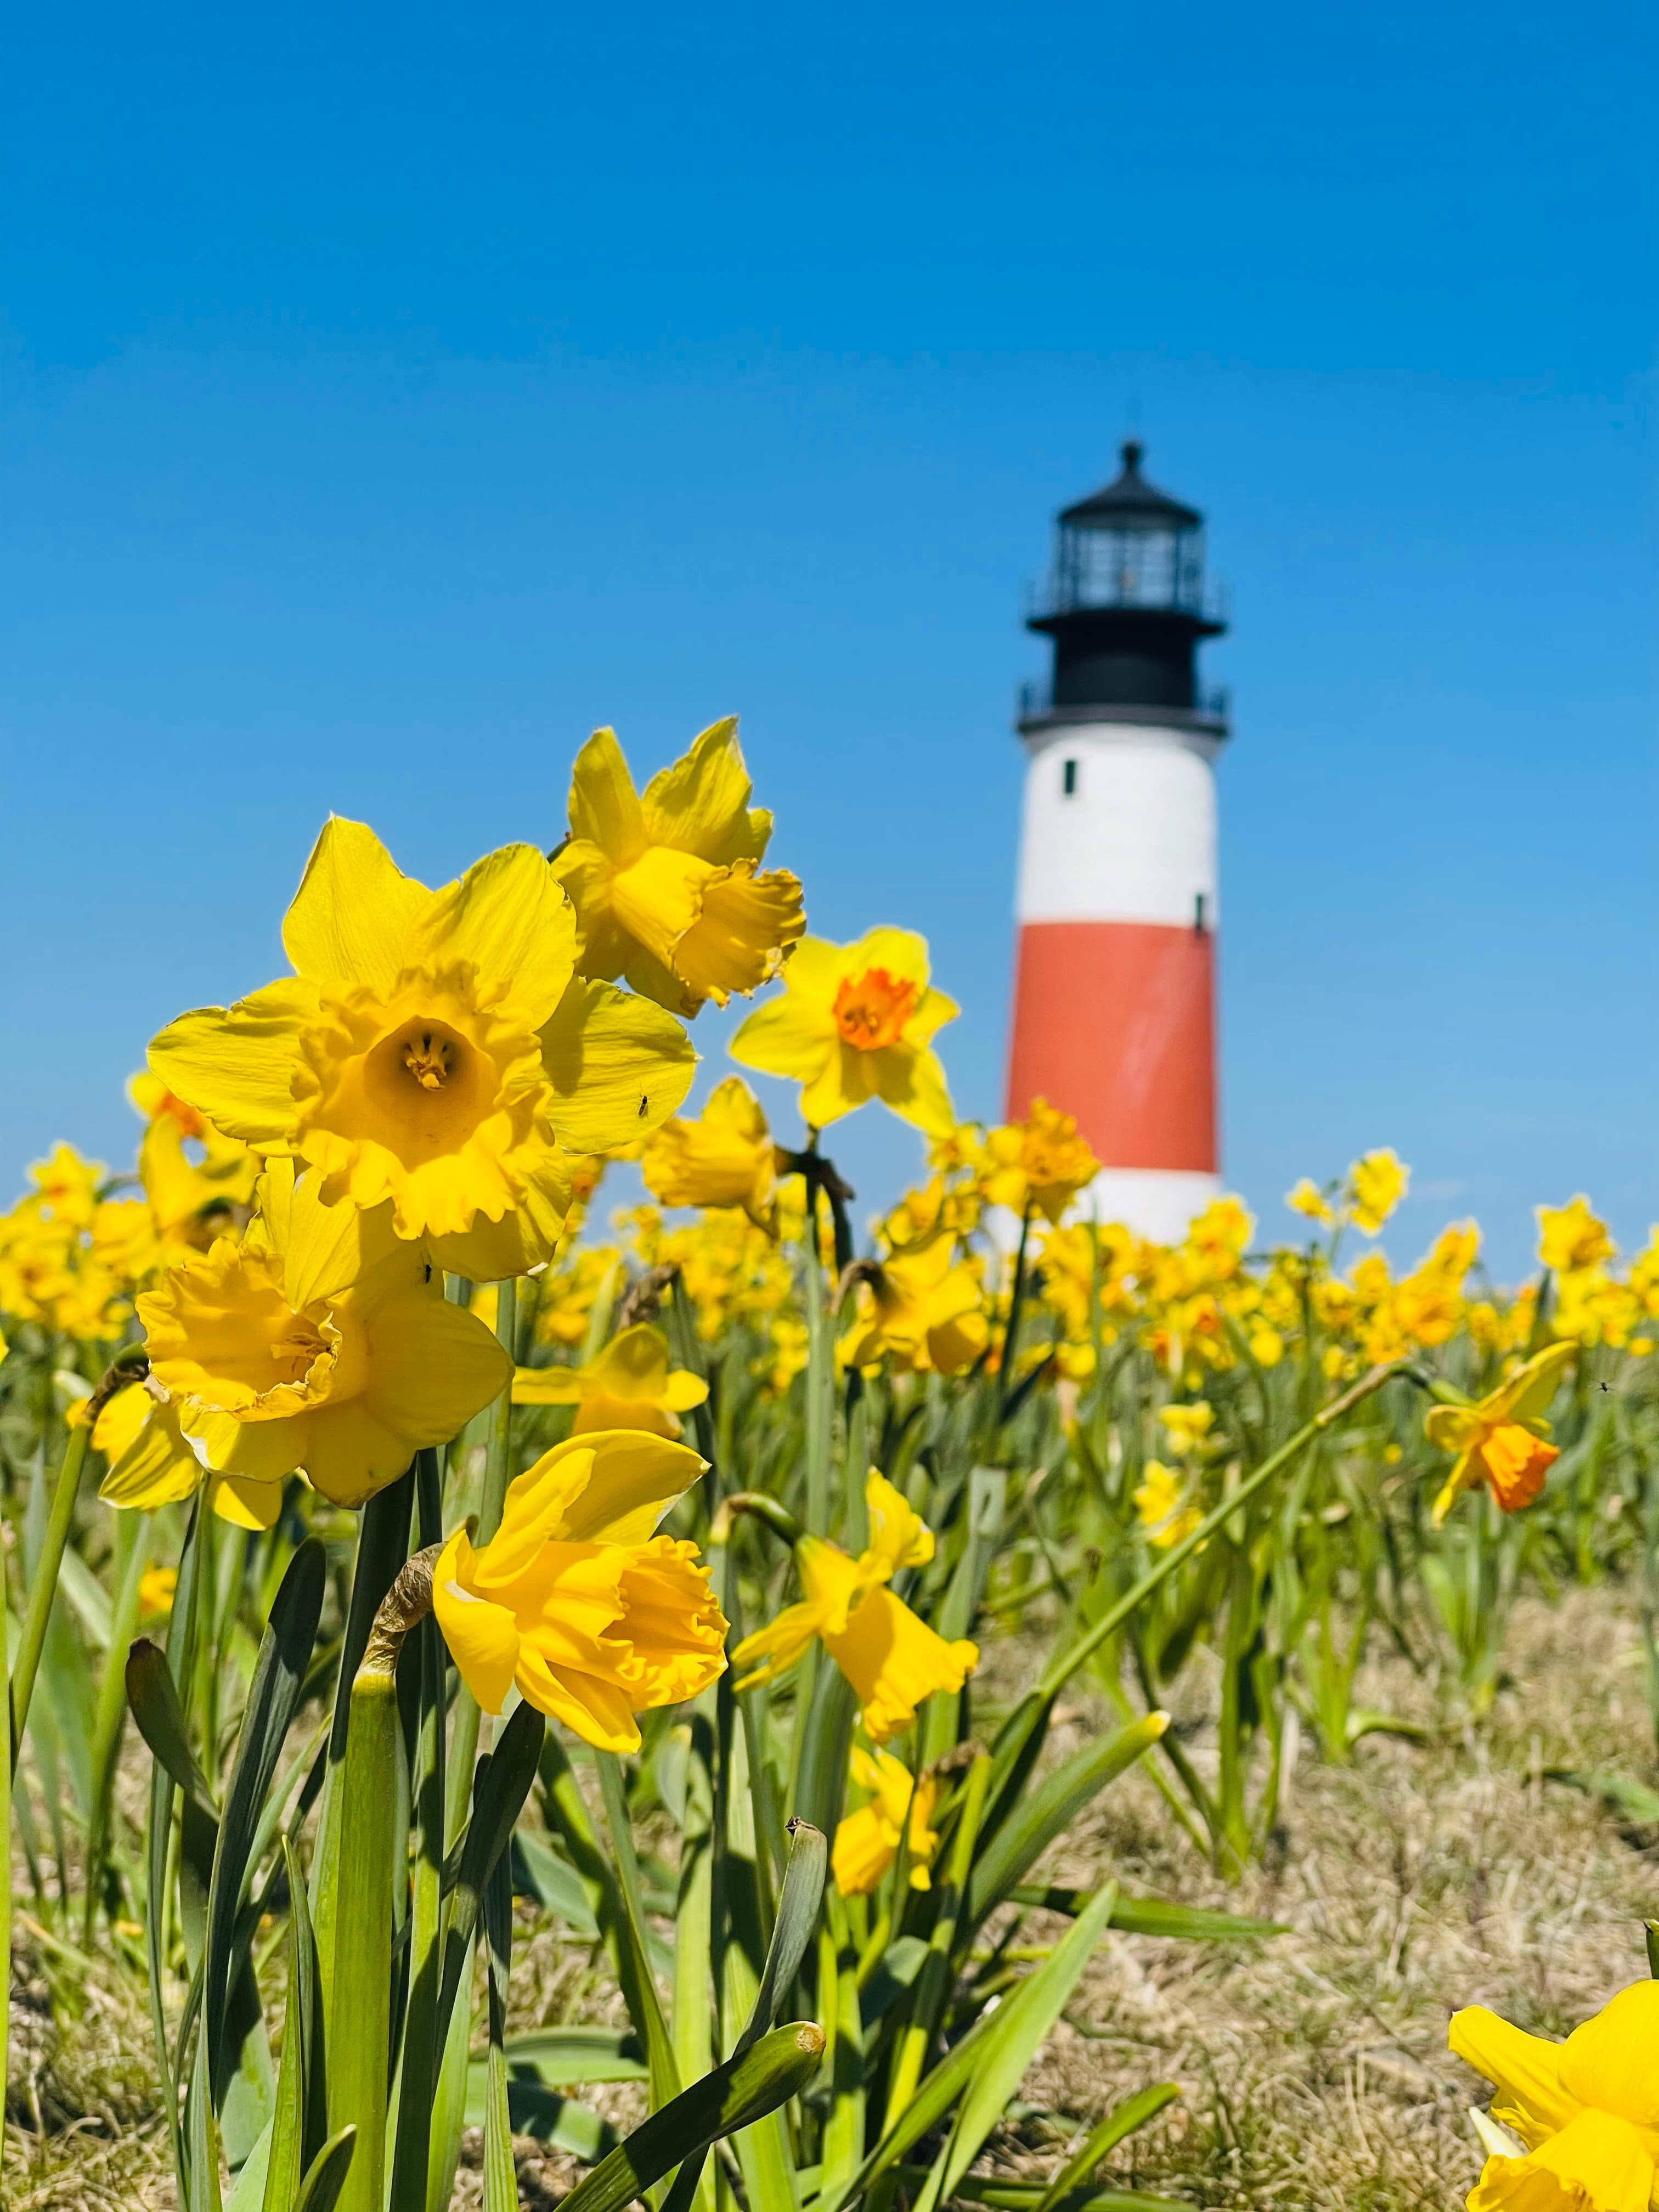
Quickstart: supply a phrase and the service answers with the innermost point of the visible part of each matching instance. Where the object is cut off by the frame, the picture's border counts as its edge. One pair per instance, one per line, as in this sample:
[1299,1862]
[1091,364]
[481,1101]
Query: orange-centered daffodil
[1500,1440]
[629,1386]
[576,1600]
[665,886]
[432,1047]
[1581,2117]
[1041,1162]
[855,1022]
[892,1658]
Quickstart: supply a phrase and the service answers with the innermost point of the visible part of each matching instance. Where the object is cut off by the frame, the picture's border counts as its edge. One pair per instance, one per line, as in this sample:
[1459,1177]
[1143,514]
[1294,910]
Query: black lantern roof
[1129,502]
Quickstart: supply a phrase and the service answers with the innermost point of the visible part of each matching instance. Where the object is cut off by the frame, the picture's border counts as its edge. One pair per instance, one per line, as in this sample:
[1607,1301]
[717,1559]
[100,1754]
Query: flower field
[524,1697]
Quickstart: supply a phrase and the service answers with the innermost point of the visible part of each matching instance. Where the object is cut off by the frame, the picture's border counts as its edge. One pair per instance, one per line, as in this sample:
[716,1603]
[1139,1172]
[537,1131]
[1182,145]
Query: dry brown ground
[1313,2067]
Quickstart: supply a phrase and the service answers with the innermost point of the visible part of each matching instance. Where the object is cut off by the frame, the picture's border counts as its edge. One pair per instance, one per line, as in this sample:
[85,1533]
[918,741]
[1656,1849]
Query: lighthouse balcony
[1111,585]
[1036,709]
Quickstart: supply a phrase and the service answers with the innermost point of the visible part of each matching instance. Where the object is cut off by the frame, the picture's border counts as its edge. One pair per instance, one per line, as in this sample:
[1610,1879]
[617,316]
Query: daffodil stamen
[429,1058]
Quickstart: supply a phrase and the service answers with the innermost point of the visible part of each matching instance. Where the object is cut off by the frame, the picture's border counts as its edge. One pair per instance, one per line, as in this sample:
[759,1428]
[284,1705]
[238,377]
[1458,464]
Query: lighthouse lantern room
[1115,980]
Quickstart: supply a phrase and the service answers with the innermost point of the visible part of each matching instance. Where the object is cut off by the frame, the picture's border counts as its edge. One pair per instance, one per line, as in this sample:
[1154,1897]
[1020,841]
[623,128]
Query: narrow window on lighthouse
[1068,779]
[1198,913]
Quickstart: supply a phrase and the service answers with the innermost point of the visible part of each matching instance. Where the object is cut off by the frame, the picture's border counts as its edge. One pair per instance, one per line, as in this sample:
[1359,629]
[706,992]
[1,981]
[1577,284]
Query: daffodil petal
[432,1366]
[350,915]
[701,804]
[909,1079]
[1598,2163]
[604,807]
[618,1066]
[236,1063]
[509,915]
[1525,2068]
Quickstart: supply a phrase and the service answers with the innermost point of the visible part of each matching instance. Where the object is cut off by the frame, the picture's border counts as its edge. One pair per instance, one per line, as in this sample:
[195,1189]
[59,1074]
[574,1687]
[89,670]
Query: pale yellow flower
[1377,1183]
[1041,1162]
[1308,1200]
[1572,1236]
[724,1157]
[629,1386]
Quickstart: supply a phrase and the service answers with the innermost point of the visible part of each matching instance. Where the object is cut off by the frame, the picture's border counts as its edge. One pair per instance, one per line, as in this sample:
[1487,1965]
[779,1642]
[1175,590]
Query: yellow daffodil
[433,1049]
[724,1157]
[1308,1200]
[1377,1183]
[1041,1162]
[1158,1507]
[1583,2114]
[189,1200]
[1500,1441]
[152,1463]
[665,884]
[1188,1426]
[156,1588]
[1571,1236]
[939,1208]
[853,1024]
[576,1600]
[923,1310]
[629,1386]
[308,1347]
[868,1839]
[892,1658]
[67,1186]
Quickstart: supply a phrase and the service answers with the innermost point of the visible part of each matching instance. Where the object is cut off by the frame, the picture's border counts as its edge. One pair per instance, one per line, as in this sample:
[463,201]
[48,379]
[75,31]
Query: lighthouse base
[1160,1203]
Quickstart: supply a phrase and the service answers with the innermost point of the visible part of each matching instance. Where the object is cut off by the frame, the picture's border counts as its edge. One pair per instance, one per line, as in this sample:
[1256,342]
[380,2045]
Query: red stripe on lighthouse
[1115,1023]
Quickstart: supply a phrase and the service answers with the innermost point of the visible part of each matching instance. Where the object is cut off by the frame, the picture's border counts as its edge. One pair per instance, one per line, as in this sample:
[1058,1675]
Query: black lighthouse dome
[1126,605]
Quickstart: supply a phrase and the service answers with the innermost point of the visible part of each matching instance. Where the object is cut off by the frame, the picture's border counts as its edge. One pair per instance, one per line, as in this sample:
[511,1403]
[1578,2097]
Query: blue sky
[391,395]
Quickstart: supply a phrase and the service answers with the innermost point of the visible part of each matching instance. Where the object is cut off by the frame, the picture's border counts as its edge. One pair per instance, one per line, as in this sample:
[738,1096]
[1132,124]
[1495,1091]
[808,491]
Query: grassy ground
[1313,2067]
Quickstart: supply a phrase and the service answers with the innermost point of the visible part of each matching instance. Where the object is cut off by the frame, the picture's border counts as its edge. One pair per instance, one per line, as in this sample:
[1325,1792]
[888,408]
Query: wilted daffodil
[314,1343]
[1500,1441]
[665,886]
[923,1310]
[1571,1237]
[431,1049]
[855,1023]
[629,1386]
[1583,2116]
[577,1600]
[1041,1162]
[868,1839]
[724,1157]
[1377,1183]
[891,1657]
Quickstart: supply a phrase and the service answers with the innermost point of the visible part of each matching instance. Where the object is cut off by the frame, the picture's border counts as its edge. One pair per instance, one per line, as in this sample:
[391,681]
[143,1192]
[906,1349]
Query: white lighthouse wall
[1136,839]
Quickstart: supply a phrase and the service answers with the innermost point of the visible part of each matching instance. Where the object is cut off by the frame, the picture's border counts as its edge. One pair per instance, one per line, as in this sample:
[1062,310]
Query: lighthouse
[1116,904]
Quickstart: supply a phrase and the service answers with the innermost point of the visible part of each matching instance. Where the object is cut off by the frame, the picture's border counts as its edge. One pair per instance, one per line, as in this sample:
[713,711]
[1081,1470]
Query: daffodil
[312,1345]
[666,885]
[724,1157]
[1041,1162]
[629,1386]
[892,1658]
[1188,1426]
[189,1200]
[855,1023]
[1572,1236]
[1583,2116]
[924,1309]
[433,1049]
[1158,1507]
[152,1462]
[67,1186]
[1501,1440]
[1377,1183]
[576,1600]
[868,1839]
[156,1588]
[1308,1200]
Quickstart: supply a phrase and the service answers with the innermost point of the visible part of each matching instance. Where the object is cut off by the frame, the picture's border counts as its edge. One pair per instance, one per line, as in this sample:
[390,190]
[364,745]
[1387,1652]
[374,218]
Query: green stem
[1015,1301]
[33,1638]
[1065,1664]
[498,1457]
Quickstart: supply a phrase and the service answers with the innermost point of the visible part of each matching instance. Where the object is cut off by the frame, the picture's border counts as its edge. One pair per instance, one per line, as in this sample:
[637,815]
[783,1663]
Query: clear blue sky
[392,394]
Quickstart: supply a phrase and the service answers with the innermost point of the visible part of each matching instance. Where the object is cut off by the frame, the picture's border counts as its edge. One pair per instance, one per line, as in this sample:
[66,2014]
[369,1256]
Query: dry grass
[1313,2067]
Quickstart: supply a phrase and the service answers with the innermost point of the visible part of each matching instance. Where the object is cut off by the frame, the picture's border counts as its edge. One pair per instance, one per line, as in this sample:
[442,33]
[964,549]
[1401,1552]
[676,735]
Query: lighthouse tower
[1115,983]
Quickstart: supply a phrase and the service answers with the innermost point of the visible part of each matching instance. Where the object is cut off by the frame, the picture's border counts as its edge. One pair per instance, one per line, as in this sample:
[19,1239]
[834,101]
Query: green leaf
[500,1784]
[153,1697]
[561,2057]
[798,1915]
[1018,2031]
[1151,1916]
[1135,2112]
[1629,1802]
[300,2122]
[554,1882]
[500,2186]
[326,2176]
[284,1656]
[734,2096]
[544,2113]
[1027,1833]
